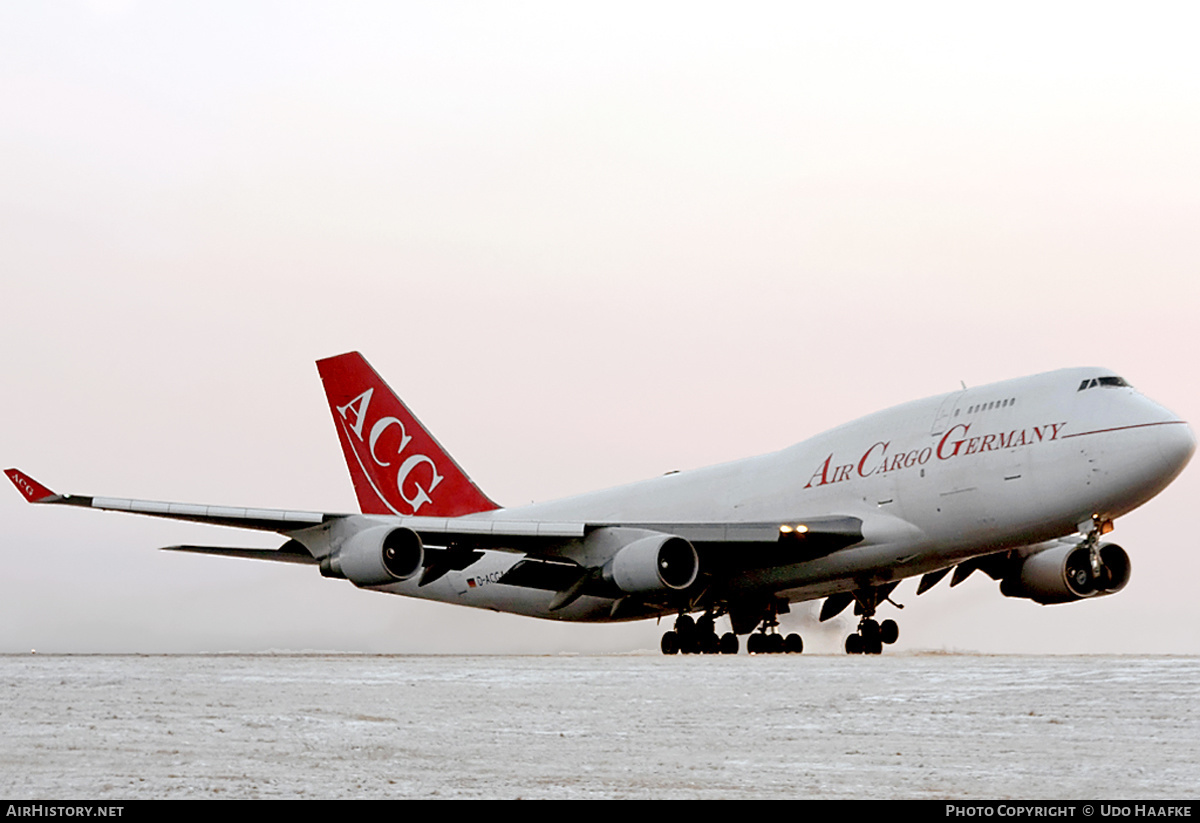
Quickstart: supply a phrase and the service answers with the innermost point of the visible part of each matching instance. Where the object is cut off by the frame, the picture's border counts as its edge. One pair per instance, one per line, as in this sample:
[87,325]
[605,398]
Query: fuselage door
[945,412]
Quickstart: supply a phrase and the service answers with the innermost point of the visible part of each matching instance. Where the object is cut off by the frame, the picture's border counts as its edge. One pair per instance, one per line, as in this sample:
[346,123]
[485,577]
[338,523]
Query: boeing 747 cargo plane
[1020,480]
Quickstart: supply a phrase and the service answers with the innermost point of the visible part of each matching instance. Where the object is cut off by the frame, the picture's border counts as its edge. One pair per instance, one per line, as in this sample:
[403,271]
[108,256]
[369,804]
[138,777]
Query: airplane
[1019,479]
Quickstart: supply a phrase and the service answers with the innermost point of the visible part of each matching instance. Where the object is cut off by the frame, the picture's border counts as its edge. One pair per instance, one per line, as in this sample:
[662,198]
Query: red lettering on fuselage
[822,472]
[863,461]
[966,427]
[956,442]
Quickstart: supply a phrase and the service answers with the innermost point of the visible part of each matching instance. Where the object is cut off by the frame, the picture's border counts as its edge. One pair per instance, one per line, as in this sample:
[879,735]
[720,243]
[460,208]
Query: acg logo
[22,484]
[354,420]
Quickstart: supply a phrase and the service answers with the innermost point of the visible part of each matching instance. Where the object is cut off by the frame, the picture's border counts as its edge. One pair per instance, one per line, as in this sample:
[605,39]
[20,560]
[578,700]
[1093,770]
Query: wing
[547,546]
[271,520]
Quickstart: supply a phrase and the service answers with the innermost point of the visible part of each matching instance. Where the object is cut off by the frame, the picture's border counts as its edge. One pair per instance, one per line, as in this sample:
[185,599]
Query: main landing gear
[774,643]
[698,637]
[870,637]
[768,640]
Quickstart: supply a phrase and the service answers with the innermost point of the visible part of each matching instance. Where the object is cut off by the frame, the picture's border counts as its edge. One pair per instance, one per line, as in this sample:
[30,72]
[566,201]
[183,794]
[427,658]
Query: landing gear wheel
[793,644]
[687,638]
[729,643]
[670,643]
[871,635]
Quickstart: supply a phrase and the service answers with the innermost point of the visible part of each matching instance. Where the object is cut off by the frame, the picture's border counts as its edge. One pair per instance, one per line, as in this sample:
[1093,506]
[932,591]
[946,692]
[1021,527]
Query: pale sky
[587,243]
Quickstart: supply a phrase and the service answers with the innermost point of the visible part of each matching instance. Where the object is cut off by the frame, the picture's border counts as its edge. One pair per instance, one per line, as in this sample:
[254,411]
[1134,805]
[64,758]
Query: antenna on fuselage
[964,384]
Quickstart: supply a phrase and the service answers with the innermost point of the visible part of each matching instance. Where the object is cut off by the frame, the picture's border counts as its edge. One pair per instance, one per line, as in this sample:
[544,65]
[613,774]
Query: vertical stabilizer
[396,465]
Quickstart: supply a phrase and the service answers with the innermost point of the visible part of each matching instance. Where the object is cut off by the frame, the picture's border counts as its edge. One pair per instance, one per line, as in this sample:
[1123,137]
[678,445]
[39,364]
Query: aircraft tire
[729,643]
[889,632]
[854,644]
[670,643]
[793,644]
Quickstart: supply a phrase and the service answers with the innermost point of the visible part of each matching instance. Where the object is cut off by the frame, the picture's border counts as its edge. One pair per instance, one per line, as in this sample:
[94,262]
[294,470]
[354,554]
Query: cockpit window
[1103,381]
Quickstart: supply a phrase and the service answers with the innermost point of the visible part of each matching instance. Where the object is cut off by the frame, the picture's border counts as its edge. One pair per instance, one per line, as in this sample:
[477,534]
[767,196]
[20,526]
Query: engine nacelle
[654,563]
[377,556]
[1064,574]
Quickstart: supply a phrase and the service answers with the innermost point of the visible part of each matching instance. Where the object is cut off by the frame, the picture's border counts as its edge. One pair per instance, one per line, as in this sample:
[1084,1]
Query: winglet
[396,464]
[32,490]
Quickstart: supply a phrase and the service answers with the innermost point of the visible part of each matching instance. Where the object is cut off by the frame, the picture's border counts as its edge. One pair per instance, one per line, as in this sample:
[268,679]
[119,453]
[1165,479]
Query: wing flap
[262,519]
[466,529]
[798,531]
[540,573]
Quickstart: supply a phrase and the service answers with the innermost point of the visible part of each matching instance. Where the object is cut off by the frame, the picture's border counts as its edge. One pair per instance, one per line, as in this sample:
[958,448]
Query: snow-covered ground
[329,726]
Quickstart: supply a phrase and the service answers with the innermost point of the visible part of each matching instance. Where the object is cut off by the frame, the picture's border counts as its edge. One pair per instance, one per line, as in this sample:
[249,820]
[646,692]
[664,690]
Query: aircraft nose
[1176,444]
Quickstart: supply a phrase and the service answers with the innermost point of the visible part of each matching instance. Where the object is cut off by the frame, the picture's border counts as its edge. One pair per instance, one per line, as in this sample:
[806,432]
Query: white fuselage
[934,481]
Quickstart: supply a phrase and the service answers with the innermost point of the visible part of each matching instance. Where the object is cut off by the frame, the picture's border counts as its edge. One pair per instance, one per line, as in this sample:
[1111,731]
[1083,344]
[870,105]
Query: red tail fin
[34,491]
[396,465]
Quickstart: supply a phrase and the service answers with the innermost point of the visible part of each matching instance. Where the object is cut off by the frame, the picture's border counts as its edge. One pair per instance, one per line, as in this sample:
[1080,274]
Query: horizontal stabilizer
[289,552]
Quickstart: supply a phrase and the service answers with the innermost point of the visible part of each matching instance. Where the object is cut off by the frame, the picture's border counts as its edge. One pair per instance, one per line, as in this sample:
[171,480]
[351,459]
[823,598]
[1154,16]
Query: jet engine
[377,556]
[653,563]
[1064,574]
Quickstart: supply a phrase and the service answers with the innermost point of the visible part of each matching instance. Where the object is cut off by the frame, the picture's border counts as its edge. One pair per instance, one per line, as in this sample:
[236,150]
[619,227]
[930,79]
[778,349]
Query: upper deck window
[1103,381]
